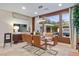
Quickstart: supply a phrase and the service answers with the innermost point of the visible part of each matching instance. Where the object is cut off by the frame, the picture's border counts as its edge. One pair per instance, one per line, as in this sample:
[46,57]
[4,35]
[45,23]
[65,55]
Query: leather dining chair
[43,44]
[27,38]
[37,42]
[33,41]
[7,39]
[51,41]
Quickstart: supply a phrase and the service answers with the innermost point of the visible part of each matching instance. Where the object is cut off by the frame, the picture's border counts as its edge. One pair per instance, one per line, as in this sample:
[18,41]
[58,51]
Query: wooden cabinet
[17,38]
[64,40]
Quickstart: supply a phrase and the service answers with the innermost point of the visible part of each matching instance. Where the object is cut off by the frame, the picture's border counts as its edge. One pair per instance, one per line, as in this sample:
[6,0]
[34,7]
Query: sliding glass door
[66,27]
[59,24]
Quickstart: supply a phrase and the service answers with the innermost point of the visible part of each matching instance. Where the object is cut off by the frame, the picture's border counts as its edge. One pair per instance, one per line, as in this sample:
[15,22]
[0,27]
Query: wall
[7,20]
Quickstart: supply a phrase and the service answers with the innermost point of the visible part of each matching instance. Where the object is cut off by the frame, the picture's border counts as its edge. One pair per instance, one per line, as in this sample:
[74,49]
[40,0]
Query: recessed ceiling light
[23,7]
[35,13]
[60,5]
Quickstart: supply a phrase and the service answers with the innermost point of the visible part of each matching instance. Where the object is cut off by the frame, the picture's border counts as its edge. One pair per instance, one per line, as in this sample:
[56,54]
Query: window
[53,23]
[65,24]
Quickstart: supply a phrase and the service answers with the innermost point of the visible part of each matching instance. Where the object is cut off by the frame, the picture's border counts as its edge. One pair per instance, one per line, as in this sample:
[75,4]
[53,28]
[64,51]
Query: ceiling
[40,8]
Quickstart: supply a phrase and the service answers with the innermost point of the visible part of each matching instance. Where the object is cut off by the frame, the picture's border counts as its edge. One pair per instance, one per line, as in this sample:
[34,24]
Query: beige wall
[7,20]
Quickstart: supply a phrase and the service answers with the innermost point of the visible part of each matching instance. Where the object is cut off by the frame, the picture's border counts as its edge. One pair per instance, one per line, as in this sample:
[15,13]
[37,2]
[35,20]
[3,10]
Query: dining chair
[28,39]
[51,41]
[48,36]
[37,42]
[7,39]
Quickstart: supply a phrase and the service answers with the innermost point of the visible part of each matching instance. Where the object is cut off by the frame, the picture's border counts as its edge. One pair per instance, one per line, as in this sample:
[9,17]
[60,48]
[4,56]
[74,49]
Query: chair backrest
[27,38]
[36,40]
[7,37]
[49,34]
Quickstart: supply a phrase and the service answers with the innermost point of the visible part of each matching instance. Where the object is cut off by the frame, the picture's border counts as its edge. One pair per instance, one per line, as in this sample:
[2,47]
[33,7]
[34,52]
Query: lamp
[16,28]
[58,30]
[41,20]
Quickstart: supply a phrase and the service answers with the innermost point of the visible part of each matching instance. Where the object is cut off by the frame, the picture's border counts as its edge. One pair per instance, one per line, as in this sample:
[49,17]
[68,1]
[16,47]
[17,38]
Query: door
[65,28]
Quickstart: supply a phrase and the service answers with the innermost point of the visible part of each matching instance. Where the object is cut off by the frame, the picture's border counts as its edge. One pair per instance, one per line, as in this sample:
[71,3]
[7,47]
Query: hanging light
[41,20]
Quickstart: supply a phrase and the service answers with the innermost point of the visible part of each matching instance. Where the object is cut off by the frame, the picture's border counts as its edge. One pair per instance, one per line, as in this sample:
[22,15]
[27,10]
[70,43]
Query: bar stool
[7,39]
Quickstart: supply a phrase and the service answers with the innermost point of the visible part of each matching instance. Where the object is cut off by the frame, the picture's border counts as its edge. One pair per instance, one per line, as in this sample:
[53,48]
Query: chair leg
[4,45]
[10,44]
[40,53]
[51,52]
[78,50]
[25,46]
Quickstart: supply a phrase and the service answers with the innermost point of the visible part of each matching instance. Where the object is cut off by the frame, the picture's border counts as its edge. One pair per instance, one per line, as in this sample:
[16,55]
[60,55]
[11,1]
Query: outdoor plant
[76,15]
[76,19]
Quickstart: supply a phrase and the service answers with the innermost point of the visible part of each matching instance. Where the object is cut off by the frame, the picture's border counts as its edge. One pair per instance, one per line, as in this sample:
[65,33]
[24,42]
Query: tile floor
[17,50]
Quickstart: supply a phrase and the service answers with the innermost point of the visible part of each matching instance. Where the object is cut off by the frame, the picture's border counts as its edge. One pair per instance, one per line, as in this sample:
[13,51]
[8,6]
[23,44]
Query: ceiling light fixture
[23,8]
[35,13]
[41,20]
[60,5]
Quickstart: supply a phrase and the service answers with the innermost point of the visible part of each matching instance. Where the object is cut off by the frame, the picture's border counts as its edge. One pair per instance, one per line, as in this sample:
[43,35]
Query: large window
[52,23]
[59,24]
[65,24]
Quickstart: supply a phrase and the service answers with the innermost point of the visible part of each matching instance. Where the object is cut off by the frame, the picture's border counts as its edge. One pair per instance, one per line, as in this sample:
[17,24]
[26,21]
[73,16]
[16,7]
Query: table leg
[45,44]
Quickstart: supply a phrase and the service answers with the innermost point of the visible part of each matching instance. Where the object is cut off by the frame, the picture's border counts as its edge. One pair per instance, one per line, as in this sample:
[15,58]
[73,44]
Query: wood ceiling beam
[55,13]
